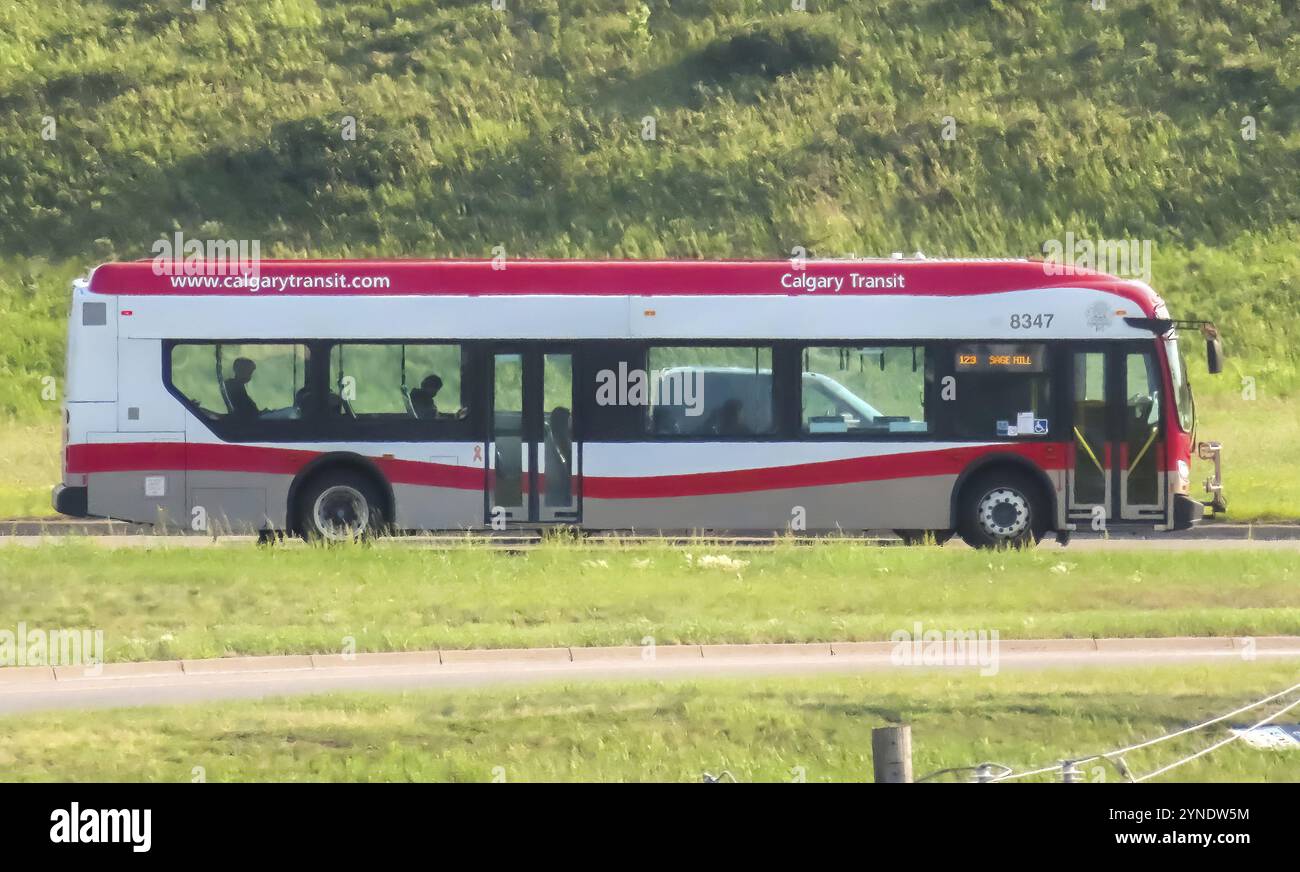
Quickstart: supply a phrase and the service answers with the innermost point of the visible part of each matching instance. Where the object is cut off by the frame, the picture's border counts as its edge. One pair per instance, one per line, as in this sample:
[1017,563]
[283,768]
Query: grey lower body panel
[905,503]
[421,507]
[247,502]
[155,496]
[242,502]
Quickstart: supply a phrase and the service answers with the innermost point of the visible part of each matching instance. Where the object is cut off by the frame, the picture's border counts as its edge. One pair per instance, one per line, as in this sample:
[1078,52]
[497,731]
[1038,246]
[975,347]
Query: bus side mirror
[1214,353]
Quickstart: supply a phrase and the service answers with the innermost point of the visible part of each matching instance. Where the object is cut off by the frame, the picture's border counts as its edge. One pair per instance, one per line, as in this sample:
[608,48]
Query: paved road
[1154,544]
[179,682]
[113,534]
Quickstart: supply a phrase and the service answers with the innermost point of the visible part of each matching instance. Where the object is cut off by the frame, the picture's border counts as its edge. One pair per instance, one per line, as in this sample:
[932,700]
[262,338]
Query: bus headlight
[1184,473]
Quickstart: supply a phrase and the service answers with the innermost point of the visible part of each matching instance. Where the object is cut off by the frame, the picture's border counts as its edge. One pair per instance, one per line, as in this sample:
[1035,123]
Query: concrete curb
[26,674]
[1050,646]
[281,663]
[647,653]
[139,668]
[507,655]
[771,649]
[860,649]
[1268,643]
[1213,643]
[384,658]
[272,663]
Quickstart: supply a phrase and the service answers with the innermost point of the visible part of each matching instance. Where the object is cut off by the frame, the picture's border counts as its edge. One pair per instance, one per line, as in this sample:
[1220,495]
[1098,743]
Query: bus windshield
[1182,388]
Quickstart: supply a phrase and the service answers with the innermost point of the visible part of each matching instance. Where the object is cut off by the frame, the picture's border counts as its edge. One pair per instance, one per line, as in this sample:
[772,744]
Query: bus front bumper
[69,501]
[1187,512]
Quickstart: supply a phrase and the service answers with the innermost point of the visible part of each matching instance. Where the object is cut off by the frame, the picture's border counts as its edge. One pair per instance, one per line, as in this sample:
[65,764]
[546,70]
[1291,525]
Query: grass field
[165,603]
[817,729]
[1261,444]
[29,468]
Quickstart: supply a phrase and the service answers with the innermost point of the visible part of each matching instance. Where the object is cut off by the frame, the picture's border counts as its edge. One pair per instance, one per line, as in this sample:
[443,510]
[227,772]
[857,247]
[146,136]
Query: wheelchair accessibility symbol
[1040,426]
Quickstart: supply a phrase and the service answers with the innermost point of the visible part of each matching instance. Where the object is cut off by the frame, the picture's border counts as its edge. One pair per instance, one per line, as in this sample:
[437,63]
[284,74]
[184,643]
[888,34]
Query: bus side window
[397,382]
[864,390]
[702,392]
[241,383]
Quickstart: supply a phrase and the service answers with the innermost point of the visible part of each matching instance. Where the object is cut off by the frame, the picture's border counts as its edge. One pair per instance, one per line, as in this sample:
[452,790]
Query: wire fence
[1068,769]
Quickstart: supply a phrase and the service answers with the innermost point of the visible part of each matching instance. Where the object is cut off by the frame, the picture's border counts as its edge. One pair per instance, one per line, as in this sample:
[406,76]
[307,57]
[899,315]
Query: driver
[241,404]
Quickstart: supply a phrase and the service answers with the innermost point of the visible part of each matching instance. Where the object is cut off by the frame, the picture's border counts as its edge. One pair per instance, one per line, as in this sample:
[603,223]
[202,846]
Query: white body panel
[981,316]
[91,375]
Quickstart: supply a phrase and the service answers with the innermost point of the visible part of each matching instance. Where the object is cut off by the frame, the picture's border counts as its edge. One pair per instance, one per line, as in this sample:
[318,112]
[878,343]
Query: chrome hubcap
[1004,513]
[340,513]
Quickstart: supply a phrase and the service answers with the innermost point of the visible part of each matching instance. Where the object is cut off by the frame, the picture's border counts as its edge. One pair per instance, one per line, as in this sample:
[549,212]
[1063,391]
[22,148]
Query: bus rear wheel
[342,506]
[1002,509]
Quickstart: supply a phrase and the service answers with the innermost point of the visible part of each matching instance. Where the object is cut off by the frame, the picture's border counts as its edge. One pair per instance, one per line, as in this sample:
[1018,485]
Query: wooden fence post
[891,753]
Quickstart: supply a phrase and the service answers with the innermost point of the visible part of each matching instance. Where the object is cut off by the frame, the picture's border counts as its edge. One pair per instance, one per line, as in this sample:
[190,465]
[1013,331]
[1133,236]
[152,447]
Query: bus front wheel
[1002,509]
[340,506]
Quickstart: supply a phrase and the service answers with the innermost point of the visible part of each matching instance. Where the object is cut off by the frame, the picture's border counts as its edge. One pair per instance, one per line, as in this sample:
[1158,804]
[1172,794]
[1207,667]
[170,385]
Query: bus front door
[533,460]
[1118,471]
[1141,442]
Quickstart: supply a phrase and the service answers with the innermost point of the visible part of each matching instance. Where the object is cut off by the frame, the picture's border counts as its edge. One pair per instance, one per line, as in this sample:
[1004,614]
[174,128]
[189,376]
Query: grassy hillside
[773,129]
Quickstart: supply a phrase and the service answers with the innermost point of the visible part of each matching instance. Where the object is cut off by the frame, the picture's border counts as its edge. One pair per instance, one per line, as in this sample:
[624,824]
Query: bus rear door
[534,461]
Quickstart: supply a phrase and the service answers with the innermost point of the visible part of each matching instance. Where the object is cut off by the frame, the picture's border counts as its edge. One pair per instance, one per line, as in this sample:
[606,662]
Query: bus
[992,399]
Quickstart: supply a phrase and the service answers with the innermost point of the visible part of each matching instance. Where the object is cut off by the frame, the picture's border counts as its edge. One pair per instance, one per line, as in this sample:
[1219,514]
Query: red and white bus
[993,399]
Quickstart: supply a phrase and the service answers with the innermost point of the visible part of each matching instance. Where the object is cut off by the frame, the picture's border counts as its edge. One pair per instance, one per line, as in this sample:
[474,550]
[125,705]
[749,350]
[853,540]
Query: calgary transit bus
[992,399]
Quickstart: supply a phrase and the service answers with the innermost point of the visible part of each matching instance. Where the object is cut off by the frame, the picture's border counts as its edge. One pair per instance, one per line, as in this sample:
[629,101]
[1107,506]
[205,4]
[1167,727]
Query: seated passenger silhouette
[305,398]
[241,404]
[422,398]
[729,421]
[559,458]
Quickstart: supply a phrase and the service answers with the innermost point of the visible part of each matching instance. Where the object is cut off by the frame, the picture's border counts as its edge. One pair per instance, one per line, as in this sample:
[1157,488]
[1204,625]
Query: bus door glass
[507,454]
[558,461]
[534,462]
[1090,475]
[1141,449]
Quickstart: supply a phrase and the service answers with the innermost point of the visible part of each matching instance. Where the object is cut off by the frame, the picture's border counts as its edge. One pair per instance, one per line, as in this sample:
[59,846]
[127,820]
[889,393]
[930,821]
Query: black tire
[921,537]
[1002,508]
[339,506]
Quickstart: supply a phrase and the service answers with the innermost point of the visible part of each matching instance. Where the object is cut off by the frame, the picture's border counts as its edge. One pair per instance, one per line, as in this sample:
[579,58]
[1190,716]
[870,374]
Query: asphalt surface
[116,534]
[176,682]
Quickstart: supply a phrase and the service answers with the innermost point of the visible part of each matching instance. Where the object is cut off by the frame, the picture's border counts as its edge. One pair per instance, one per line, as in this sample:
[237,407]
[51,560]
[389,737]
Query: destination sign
[1002,357]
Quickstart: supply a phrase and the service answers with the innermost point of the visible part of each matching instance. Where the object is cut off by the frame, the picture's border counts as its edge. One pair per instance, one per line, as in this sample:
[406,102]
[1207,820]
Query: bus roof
[894,276]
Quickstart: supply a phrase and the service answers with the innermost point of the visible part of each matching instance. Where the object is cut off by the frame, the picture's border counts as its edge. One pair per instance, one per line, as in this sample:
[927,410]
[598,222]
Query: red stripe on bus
[431,474]
[142,456]
[945,461]
[125,456]
[156,456]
